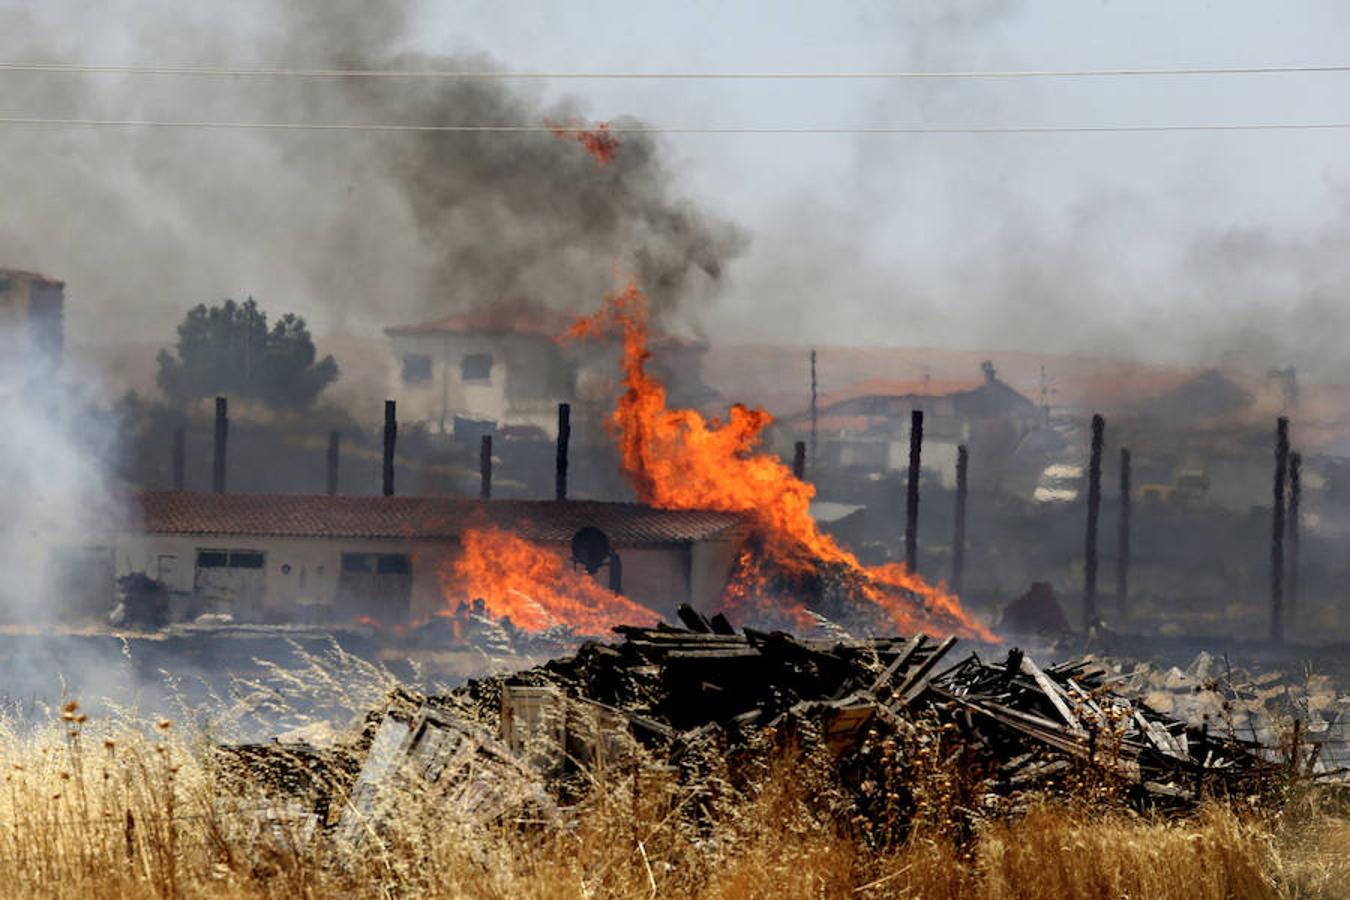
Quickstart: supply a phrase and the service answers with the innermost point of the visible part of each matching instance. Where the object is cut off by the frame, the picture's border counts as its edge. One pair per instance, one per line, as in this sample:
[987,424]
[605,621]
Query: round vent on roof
[590,548]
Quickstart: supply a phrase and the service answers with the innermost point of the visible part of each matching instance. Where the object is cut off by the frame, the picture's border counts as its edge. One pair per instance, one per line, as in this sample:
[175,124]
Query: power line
[658,129]
[231,72]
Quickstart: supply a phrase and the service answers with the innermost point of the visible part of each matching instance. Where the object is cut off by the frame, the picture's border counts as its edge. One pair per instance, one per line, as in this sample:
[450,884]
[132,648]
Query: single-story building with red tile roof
[333,559]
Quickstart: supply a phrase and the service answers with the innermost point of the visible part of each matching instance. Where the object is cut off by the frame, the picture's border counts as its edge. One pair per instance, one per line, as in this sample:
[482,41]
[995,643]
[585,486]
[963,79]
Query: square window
[476,367]
[358,562]
[416,367]
[246,559]
[393,565]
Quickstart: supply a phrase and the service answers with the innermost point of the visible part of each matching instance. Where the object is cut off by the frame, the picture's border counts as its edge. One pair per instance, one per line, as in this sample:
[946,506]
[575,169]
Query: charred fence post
[334,454]
[564,436]
[1094,510]
[179,459]
[1292,527]
[815,419]
[912,491]
[1123,537]
[1277,532]
[222,438]
[390,441]
[485,467]
[799,460]
[959,530]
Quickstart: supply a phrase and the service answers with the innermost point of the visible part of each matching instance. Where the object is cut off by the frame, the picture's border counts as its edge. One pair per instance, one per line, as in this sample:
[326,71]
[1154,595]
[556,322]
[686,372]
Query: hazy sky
[920,239]
[1204,247]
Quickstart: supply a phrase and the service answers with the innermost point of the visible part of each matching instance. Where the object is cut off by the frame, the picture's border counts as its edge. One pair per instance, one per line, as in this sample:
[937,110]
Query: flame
[601,143]
[677,459]
[533,586]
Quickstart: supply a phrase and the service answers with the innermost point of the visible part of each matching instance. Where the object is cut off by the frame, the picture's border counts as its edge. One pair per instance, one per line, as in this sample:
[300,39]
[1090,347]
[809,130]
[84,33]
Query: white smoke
[58,441]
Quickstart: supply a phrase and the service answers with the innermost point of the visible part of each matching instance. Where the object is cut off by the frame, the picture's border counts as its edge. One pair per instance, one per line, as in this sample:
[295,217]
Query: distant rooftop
[890,387]
[504,317]
[518,316]
[544,521]
[29,276]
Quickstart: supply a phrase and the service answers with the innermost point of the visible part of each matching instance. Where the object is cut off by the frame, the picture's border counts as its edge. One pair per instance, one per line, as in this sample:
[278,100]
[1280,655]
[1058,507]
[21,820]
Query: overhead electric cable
[661,129]
[488,74]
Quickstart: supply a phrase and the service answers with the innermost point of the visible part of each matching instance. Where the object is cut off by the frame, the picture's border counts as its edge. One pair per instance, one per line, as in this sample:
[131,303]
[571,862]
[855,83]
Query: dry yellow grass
[131,810]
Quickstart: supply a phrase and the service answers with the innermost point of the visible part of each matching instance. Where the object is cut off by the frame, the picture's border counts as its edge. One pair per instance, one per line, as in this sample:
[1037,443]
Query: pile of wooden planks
[670,699]
[1027,722]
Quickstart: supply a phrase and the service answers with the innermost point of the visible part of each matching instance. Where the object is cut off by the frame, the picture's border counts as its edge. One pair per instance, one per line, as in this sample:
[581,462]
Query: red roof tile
[273,515]
[507,317]
[522,317]
[890,387]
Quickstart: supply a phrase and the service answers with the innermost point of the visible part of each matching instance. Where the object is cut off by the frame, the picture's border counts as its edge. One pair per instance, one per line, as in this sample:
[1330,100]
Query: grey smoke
[354,230]
[1182,250]
[1122,246]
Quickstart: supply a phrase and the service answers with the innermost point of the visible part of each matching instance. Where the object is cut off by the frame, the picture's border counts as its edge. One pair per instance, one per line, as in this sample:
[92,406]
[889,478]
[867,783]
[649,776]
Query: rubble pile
[674,699]
[1022,723]
[1272,708]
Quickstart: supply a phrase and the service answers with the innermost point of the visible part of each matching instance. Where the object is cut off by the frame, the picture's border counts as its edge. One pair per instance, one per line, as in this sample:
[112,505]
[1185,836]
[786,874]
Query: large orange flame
[677,459]
[534,586]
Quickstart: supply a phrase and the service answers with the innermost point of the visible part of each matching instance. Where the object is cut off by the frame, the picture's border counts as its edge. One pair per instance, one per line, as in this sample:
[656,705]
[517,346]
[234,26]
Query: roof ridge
[420,518]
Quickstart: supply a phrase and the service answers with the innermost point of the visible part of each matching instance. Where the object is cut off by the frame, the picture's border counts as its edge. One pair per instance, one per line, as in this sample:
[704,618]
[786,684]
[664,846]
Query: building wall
[710,567]
[528,377]
[32,310]
[299,578]
[658,577]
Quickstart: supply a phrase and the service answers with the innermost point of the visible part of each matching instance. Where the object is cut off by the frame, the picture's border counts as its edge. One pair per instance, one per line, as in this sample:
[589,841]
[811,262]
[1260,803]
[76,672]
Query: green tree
[229,350]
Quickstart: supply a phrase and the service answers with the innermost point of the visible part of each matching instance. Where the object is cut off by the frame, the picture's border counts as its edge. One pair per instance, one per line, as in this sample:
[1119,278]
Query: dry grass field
[127,808]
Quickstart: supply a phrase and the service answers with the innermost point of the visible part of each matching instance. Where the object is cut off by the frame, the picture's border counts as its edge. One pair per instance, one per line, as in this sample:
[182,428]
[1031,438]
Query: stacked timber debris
[1019,722]
[686,700]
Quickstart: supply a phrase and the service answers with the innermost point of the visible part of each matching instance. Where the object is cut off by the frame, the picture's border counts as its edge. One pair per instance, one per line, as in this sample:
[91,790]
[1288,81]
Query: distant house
[32,313]
[502,366]
[867,425]
[321,559]
[1209,395]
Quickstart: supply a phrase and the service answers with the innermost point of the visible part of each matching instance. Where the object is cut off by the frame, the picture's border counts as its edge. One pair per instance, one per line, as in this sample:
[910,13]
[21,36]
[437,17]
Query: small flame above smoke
[677,459]
[533,586]
[599,142]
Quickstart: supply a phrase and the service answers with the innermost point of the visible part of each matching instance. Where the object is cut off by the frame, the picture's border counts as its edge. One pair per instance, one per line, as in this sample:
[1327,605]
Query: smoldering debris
[707,705]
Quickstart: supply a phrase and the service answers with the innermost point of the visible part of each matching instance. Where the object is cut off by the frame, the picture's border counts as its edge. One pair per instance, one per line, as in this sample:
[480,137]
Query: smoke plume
[355,230]
[57,449]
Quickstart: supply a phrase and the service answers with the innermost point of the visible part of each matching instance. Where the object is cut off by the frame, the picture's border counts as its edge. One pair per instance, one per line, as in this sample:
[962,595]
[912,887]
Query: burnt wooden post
[799,460]
[179,459]
[912,490]
[959,531]
[485,467]
[334,454]
[564,436]
[222,438]
[815,418]
[1094,510]
[390,441]
[1123,537]
[1295,501]
[1277,532]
